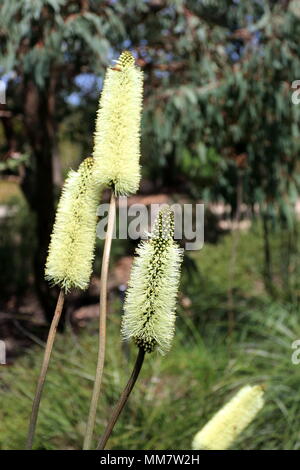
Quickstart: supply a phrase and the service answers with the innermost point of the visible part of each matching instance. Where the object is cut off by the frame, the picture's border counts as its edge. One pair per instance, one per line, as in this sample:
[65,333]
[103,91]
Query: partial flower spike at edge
[226,425]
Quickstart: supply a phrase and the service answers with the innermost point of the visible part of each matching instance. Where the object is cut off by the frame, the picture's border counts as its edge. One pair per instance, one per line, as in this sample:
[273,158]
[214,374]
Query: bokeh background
[220,126]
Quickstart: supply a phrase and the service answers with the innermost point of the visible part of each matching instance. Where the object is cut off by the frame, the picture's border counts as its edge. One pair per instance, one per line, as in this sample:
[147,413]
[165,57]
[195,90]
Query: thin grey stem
[44,369]
[102,324]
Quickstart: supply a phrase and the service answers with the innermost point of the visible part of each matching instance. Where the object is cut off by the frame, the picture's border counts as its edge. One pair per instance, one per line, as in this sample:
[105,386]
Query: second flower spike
[117,135]
[71,250]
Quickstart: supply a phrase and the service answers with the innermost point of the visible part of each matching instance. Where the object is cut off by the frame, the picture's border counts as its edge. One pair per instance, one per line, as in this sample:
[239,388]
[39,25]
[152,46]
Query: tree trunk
[6,118]
[268,277]
[38,185]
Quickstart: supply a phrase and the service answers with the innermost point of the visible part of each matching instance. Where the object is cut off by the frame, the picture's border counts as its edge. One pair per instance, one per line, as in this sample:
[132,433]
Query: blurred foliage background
[220,127]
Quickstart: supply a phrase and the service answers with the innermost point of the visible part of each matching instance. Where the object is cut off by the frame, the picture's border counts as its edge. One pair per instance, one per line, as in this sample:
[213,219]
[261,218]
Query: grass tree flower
[117,134]
[225,426]
[71,249]
[149,309]
[116,154]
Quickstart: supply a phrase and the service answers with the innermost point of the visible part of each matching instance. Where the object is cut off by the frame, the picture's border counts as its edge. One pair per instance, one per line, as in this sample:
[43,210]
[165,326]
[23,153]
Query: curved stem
[102,324]
[123,399]
[44,369]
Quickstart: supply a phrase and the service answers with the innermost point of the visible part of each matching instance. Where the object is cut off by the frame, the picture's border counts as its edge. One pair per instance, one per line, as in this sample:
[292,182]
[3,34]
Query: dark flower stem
[123,399]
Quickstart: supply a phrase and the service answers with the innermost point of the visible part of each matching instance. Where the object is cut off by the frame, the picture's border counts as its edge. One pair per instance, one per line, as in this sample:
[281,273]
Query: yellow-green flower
[117,135]
[149,310]
[225,426]
[71,249]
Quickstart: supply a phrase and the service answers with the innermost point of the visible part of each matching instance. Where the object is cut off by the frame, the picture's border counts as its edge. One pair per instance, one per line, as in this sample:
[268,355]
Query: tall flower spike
[225,426]
[71,250]
[149,310]
[117,135]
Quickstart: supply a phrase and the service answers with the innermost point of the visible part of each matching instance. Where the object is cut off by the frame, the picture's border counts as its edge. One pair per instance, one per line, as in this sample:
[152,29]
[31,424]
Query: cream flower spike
[117,134]
[149,309]
[71,249]
[225,426]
